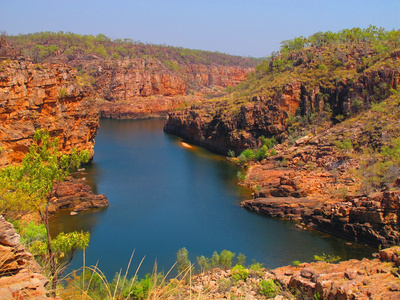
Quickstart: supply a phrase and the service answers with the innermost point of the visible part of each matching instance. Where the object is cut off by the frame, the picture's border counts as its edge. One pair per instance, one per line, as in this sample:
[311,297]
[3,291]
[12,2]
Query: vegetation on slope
[44,46]
[323,79]
[28,189]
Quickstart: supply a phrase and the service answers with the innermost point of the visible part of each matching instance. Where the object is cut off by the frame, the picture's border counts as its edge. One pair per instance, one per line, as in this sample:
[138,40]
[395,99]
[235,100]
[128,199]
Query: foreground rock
[354,279]
[19,273]
[75,194]
[43,96]
[315,184]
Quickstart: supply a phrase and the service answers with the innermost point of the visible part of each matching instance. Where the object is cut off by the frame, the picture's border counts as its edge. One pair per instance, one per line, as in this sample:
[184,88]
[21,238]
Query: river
[164,196]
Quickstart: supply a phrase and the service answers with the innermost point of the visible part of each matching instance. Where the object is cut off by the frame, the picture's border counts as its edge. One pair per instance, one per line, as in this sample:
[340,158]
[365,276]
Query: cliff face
[140,88]
[19,273]
[221,129]
[352,191]
[43,96]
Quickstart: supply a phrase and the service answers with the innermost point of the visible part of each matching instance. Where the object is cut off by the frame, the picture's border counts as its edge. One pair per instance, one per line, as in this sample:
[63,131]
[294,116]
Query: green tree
[30,187]
[182,261]
[203,263]
[225,258]
[215,259]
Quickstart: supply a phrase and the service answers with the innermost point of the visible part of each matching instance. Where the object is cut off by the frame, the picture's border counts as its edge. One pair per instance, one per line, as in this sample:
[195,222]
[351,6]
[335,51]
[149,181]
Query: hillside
[313,82]
[331,103]
[131,79]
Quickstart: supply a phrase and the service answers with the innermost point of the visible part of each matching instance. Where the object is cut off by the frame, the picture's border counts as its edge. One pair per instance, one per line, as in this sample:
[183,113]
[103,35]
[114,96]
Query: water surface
[164,196]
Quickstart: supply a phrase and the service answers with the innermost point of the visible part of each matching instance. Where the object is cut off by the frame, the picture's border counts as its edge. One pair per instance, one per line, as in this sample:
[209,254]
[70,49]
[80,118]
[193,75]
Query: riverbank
[354,279]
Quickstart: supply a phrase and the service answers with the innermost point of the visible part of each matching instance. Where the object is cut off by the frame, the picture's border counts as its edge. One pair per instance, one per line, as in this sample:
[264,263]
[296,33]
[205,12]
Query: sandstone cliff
[313,101]
[43,96]
[224,125]
[352,192]
[140,88]
[19,273]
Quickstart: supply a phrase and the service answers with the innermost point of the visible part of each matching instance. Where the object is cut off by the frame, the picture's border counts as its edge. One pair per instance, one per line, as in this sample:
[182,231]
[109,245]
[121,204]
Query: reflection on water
[165,195]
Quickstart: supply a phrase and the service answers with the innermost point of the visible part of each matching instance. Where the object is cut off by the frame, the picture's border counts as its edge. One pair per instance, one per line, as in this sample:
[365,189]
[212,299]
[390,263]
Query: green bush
[268,142]
[241,259]
[215,259]
[225,259]
[231,153]
[261,153]
[182,260]
[344,146]
[239,272]
[268,288]
[62,93]
[248,153]
[203,263]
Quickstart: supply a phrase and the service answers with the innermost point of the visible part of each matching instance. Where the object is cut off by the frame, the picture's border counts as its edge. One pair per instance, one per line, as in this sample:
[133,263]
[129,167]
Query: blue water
[164,196]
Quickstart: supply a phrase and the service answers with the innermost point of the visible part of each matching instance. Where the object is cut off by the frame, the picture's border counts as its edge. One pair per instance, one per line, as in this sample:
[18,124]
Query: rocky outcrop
[19,277]
[372,220]
[227,130]
[353,279]
[76,195]
[316,187]
[145,107]
[43,96]
[238,126]
[143,88]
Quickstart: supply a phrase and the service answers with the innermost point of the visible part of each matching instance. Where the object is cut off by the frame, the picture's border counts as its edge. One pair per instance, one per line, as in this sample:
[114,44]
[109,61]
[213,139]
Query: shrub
[261,153]
[248,153]
[182,260]
[240,175]
[203,263]
[239,272]
[215,259]
[226,258]
[242,158]
[268,142]
[62,93]
[268,288]
[344,146]
[241,259]
[231,153]
[327,258]
[256,269]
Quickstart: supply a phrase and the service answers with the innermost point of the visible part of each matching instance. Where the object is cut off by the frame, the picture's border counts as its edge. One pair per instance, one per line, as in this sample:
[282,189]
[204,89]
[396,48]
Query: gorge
[312,132]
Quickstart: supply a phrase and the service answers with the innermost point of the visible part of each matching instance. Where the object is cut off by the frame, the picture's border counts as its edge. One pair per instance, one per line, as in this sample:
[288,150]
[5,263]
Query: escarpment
[141,88]
[334,110]
[43,96]
[225,126]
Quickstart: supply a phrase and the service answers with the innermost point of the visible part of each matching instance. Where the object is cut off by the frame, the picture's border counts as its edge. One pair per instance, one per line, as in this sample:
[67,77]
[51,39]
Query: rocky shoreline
[376,278]
[317,187]
[74,194]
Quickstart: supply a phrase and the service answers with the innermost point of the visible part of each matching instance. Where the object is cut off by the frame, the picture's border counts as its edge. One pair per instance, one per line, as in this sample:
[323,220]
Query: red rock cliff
[139,88]
[43,96]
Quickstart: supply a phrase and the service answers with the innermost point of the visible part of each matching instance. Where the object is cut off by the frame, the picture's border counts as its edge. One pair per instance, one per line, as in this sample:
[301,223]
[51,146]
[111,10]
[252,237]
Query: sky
[247,27]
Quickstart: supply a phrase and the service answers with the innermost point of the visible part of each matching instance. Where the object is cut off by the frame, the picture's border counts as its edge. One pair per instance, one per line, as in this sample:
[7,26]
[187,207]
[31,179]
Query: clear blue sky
[246,27]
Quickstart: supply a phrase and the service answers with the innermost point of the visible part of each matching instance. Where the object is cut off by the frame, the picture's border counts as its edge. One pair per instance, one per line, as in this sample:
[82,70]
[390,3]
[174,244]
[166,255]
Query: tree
[182,261]
[30,187]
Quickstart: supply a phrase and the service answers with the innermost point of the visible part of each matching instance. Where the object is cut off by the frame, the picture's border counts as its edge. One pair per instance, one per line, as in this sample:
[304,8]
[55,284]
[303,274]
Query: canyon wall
[141,88]
[239,128]
[43,96]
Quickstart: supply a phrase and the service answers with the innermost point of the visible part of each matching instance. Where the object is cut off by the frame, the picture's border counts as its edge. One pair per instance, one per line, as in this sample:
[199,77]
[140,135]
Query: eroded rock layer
[43,96]
[19,273]
[237,124]
[141,88]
